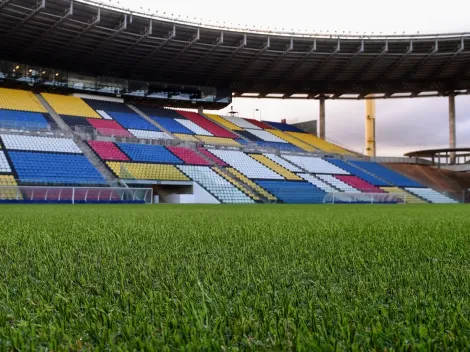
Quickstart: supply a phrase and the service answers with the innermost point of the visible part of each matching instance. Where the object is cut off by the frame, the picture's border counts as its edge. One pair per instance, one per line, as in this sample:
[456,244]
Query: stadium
[104,111]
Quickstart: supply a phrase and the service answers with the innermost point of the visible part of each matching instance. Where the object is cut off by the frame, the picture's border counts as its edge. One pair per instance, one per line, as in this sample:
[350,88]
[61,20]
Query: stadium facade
[100,121]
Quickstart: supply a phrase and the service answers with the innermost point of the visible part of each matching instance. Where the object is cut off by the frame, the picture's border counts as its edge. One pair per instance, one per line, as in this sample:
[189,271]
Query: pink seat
[109,128]
[107,151]
[211,156]
[210,126]
[359,184]
[260,124]
[189,156]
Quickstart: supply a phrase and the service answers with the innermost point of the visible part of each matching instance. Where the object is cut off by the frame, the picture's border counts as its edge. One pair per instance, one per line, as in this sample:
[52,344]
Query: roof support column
[452,131]
[370,127]
[200,109]
[322,117]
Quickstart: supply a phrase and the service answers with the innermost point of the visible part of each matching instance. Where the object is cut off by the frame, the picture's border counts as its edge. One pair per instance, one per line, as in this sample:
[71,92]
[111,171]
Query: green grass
[262,277]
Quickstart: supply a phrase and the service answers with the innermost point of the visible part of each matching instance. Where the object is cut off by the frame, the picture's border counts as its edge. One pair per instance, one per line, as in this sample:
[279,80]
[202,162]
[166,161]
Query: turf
[260,277]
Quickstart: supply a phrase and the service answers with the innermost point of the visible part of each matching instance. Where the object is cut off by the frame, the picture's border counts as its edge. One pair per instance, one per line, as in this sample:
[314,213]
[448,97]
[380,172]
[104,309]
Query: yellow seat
[410,198]
[6,193]
[250,183]
[69,105]
[276,167]
[288,138]
[237,184]
[142,171]
[15,99]
[224,122]
[186,137]
[319,143]
[218,140]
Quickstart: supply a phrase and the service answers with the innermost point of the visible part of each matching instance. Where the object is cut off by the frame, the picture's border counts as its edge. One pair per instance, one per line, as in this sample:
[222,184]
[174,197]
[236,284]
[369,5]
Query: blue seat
[284,126]
[108,106]
[285,147]
[293,192]
[391,176]
[171,125]
[149,153]
[359,173]
[132,121]
[53,168]
[23,119]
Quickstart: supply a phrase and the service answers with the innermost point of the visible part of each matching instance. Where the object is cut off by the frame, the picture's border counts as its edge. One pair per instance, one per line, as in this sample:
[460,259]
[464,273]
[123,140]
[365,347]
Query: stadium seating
[187,137]
[318,183]
[69,105]
[189,156]
[54,168]
[359,184]
[7,194]
[149,134]
[386,174]
[212,157]
[241,123]
[335,182]
[284,163]
[143,171]
[107,151]
[409,198]
[219,140]
[22,100]
[246,165]
[293,191]
[132,121]
[149,153]
[315,165]
[15,119]
[318,143]
[208,125]
[288,138]
[266,136]
[75,121]
[4,165]
[259,124]
[172,125]
[249,136]
[42,144]
[107,127]
[275,167]
[194,128]
[224,122]
[215,184]
[250,183]
[431,195]
[283,147]
[237,184]
[283,126]
[373,180]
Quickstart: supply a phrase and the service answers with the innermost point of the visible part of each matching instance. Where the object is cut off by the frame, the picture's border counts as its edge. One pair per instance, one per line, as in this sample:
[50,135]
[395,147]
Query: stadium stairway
[153,122]
[55,116]
[94,160]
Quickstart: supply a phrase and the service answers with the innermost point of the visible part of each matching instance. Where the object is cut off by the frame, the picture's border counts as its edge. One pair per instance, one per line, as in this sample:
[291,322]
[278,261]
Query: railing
[364,198]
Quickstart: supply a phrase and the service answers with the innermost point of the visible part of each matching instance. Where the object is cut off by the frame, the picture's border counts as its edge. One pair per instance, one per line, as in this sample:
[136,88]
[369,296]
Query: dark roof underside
[120,45]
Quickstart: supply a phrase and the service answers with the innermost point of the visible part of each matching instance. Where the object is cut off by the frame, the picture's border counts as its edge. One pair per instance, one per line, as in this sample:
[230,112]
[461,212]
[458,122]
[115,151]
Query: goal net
[364,198]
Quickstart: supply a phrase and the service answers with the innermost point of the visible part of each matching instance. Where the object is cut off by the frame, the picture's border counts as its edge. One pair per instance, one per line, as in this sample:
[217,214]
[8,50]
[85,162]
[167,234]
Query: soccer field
[259,277]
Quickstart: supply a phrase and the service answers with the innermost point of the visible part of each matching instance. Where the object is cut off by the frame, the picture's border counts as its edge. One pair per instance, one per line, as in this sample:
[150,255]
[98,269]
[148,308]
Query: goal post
[364,198]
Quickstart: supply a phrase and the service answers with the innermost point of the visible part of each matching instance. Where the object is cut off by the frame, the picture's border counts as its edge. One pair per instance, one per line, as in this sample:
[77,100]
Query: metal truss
[441,68]
[313,72]
[39,6]
[246,66]
[4,3]
[270,67]
[214,46]
[295,67]
[369,65]
[391,69]
[412,72]
[218,68]
[339,69]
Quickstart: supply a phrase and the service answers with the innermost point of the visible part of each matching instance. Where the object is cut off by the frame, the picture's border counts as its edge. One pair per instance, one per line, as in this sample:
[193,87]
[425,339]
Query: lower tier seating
[149,153]
[386,174]
[283,162]
[237,183]
[246,180]
[409,197]
[359,184]
[431,195]
[142,171]
[39,143]
[335,182]
[293,191]
[319,183]
[315,165]
[373,180]
[7,193]
[288,175]
[52,168]
[4,165]
[219,187]
[246,165]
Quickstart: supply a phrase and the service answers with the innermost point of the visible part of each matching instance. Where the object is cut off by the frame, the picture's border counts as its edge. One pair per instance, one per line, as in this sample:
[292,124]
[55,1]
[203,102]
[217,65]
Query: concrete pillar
[200,109]
[322,117]
[370,127]
[452,132]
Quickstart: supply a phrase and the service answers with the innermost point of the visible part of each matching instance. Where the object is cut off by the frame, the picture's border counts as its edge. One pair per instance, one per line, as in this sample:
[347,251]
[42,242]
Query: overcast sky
[402,125]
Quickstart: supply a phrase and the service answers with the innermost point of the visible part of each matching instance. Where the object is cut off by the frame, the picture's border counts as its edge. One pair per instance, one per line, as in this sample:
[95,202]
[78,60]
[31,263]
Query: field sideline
[256,277]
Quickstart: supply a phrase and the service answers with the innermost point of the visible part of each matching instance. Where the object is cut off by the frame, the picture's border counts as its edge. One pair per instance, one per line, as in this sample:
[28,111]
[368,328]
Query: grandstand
[138,128]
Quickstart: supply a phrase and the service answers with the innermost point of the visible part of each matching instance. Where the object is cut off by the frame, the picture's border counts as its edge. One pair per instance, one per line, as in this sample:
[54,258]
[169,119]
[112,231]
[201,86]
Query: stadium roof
[100,40]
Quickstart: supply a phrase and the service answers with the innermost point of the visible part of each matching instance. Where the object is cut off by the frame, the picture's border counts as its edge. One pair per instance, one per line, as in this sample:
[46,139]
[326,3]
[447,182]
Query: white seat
[40,144]
[194,127]
[4,166]
[315,165]
[344,187]
[431,195]
[266,136]
[283,162]
[149,134]
[319,183]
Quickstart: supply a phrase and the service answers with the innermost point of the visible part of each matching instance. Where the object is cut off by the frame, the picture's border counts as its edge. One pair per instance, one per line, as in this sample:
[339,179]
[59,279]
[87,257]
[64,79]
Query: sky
[402,125]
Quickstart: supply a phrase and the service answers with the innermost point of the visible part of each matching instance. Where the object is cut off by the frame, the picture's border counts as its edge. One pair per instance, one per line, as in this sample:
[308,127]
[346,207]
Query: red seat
[107,151]
[211,156]
[260,124]
[109,128]
[189,156]
[210,126]
[359,184]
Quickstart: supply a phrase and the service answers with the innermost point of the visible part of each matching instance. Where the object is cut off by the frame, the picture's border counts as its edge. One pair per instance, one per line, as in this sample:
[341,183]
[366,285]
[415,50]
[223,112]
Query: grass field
[261,277]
